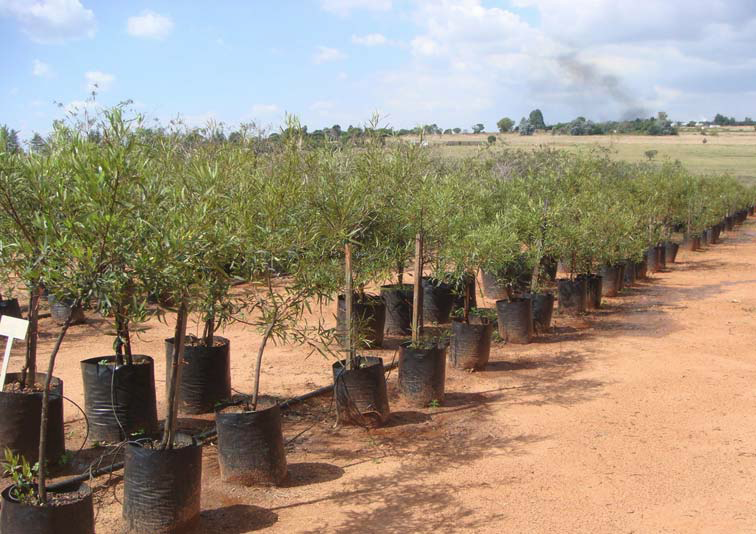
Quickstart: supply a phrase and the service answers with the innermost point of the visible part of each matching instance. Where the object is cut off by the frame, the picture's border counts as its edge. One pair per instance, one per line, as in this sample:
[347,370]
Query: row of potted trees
[134,224]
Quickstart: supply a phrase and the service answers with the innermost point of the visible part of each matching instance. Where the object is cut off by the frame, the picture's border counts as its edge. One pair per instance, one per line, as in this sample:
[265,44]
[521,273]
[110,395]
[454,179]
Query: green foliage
[505,125]
[23,476]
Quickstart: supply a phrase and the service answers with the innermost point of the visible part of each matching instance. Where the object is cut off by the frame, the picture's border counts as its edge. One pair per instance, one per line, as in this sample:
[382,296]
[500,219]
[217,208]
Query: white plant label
[12,328]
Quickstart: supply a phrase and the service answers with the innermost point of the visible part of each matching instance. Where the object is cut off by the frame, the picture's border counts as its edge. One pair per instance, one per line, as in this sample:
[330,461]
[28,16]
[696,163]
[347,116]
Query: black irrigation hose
[202,438]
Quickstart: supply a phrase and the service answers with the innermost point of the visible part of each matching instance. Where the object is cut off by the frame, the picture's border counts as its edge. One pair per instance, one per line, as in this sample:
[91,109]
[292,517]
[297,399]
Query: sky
[454,63]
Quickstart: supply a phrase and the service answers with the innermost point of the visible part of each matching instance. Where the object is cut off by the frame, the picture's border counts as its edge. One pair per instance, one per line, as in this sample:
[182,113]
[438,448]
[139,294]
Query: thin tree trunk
[29,372]
[417,297]
[348,296]
[258,364]
[400,273]
[177,357]
[209,332]
[467,299]
[127,343]
[42,473]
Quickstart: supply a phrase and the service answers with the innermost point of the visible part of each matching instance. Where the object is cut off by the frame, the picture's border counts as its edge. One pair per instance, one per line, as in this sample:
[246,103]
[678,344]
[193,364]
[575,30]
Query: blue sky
[450,62]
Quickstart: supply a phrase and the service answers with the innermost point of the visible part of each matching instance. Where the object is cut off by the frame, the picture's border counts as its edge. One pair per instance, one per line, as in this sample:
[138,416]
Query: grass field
[731,150]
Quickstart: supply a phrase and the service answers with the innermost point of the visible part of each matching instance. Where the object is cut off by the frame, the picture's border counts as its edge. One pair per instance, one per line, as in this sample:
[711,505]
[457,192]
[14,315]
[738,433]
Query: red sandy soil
[635,418]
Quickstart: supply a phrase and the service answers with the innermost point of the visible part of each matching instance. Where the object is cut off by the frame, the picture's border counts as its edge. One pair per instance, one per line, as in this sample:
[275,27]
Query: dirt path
[637,418]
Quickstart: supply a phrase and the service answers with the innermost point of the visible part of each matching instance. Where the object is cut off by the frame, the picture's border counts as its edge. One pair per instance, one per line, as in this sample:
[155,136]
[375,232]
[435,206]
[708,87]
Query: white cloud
[345,7]
[264,109]
[41,69]
[98,81]
[325,54]
[149,25]
[51,21]
[371,39]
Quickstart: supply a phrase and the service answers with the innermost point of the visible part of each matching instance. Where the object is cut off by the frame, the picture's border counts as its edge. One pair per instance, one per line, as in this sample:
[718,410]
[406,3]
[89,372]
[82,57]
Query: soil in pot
[20,412]
[10,307]
[398,300]
[205,374]
[360,393]
[422,373]
[594,286]
[369,316]
[470,345]
[670,251]
[68,511]
[515,320]
[438,299]
[251,445]
[162,488]
[610,280]
[572,295]
[542,309]
[119,401]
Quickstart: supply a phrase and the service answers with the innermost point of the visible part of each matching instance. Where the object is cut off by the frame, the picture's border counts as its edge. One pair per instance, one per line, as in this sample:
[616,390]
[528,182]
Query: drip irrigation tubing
[202,438]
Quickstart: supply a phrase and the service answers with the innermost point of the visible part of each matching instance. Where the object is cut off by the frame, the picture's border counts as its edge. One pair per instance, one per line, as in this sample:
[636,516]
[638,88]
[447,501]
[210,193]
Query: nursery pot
[572,295]
[729,222]
[20,415]
[670,251]
[438,299]
[422,374]
[705,237]
[251,446]
[68,511]
[610,280]
[652,260]
[470,345]
[640,269]
[692,243]
[10,307]
[369,315]
[515,320]
[629,274]
[398,300]
[119,401]
[661,257]
[542,308]
[61,311]
[162,488]
[205,374]
[549,266]
[594,285]
[491,288]
[360,393]
[716,230]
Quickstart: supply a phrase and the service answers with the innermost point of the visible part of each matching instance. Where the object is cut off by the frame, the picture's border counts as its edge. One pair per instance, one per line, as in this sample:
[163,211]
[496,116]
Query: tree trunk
[258,364]
[467,299]
[348,305]
[209,331]
[29,372]
[177,358]
[42,473]
[417,297]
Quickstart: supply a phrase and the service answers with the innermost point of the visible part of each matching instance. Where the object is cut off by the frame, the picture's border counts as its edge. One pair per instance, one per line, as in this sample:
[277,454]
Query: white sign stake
[12,328]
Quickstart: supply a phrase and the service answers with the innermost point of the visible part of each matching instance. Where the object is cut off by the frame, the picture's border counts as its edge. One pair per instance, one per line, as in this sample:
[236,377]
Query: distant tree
[691,124]
[457,130]
[38,145]
[9,139]
[491,139]
[448,131]
[525,128]
[478,128]
[505,125]
[651,154]
[662,116]
[536,119]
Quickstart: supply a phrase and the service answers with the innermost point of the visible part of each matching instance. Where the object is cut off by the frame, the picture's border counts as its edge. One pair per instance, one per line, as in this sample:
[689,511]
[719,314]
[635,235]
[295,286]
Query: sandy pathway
[637,418]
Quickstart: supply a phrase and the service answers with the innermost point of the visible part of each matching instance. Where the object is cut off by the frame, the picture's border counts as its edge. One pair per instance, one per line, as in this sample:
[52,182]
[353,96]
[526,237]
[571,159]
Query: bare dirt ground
[636,418]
